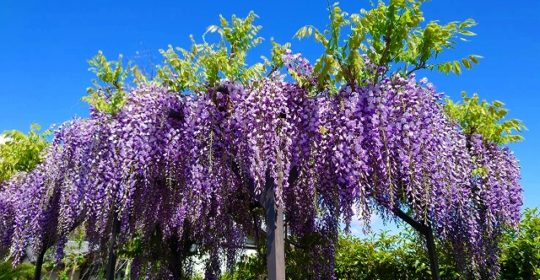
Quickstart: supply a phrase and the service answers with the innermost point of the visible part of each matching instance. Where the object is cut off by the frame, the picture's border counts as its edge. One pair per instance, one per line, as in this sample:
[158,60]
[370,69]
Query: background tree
[388,256]
[21,152]
[520,249]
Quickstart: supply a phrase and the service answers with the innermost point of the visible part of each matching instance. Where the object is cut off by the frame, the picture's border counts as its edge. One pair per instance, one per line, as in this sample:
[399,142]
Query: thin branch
[416,68]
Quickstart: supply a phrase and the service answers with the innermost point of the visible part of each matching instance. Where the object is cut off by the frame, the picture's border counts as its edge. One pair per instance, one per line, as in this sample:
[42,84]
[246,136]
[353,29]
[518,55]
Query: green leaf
[474,58]
[456,67]
[467,33]
[303,32]
[466,63]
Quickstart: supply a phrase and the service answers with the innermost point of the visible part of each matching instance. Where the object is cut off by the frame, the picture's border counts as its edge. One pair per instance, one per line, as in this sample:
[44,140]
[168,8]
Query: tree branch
[416,68]
[412,222]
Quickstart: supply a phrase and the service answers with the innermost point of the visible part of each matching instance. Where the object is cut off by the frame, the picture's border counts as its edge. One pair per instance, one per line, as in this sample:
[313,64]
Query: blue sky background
[44,46]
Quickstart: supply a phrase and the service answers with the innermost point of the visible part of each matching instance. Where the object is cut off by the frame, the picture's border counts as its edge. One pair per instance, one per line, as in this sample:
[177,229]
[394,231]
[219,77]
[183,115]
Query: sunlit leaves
[21,152]
[485,118]
[390,35]
[108,94]
[207,63]
[455,65]
[276,60]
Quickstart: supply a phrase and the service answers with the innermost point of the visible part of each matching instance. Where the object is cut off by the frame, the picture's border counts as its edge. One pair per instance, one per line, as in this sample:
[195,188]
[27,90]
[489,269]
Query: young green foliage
[205,64]
[484,118]
[390,36]
[108,94]
[276,60]
[21,152]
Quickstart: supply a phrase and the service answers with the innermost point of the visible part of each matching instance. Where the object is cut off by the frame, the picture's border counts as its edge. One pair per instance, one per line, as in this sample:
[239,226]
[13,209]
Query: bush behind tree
[387,256]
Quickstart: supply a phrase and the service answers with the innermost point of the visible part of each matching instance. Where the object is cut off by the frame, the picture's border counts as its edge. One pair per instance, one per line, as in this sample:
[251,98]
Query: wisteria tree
[426,165]
[213,151]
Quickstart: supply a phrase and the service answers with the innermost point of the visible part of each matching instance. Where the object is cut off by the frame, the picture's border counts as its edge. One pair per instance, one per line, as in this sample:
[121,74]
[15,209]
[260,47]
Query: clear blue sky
[45,44]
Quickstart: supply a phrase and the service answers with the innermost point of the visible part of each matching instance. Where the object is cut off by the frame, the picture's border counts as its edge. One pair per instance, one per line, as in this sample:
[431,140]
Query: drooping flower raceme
[184,173]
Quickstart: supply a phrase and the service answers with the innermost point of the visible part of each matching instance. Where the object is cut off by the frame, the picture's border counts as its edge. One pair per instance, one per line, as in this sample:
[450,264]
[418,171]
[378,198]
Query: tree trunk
[427,232]
[275,256]
[175,258]
[111,262]
[39,263]
[432,254]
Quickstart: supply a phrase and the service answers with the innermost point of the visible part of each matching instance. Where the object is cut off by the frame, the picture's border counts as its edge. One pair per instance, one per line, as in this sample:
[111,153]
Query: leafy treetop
[205,64]
[390,36]
[387,37]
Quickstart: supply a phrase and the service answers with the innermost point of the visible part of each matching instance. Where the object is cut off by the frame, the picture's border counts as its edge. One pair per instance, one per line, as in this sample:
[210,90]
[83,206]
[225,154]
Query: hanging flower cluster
[183,173]
[495,196]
